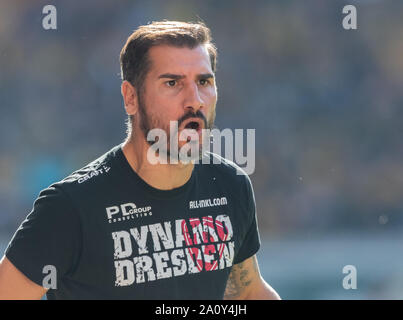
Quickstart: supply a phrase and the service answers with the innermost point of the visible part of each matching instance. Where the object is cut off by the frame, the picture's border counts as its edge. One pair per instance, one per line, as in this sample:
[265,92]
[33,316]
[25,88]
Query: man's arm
[14,285]
[246,283]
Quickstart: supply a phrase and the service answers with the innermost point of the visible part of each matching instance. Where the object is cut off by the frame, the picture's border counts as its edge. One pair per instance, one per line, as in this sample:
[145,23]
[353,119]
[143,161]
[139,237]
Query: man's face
[180,86]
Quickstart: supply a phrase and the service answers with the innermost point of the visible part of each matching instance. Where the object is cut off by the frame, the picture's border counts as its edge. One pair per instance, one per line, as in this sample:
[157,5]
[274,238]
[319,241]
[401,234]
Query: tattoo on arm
[239,279]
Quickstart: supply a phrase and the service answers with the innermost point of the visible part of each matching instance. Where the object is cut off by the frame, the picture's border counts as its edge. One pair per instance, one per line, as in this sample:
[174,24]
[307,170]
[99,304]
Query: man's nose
[192,98]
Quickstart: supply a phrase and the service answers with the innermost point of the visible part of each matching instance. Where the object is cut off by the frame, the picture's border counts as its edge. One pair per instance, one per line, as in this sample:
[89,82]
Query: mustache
[197,114]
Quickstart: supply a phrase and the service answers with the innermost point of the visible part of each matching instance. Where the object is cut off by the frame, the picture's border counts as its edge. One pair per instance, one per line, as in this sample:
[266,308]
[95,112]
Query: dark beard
[147,124]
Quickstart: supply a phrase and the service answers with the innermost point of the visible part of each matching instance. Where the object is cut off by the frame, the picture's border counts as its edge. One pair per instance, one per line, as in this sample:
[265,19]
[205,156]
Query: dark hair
[134,62]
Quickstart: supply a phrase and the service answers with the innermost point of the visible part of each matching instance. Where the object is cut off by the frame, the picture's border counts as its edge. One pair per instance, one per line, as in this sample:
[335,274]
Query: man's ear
[129,94]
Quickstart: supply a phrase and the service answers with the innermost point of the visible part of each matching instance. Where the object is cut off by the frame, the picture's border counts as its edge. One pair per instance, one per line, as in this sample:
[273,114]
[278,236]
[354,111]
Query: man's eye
[203,82]
[171,83]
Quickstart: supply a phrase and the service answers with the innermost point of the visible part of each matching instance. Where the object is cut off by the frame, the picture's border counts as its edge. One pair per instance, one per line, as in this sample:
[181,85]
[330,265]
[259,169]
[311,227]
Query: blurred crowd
[326,103]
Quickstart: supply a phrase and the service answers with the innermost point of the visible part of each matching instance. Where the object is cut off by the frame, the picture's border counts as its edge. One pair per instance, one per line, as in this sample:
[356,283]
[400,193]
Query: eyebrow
[205,76]
[180,76]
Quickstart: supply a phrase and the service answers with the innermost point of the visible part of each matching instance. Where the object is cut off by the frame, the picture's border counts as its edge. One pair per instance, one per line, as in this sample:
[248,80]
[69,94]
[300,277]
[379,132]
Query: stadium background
[326,104]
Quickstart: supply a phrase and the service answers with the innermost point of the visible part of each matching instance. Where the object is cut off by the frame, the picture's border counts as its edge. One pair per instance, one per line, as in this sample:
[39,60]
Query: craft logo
[126,211]
[94,173]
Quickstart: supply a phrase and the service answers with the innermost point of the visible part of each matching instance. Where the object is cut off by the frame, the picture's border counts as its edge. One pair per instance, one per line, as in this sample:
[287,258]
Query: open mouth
[194,124]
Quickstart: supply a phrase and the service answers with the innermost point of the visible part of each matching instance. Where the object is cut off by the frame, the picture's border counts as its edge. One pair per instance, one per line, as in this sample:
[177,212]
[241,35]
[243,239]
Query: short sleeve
[49,236]
[251,242]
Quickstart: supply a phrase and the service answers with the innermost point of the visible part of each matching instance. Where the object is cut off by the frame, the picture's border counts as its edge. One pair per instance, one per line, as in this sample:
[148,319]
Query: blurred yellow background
[326,103]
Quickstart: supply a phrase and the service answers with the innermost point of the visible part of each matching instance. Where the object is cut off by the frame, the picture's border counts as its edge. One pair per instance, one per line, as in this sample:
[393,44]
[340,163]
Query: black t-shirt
[110,235]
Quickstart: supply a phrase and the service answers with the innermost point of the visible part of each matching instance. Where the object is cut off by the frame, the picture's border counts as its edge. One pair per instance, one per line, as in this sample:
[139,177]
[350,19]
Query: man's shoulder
[92,175]
[224,167]
[231,178]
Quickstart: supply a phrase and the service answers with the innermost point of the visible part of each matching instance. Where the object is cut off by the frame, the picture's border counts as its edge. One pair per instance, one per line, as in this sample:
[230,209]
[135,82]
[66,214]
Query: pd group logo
[127,211]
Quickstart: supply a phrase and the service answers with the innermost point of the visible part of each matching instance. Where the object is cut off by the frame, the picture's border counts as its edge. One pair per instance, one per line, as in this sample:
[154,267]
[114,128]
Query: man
[123,227]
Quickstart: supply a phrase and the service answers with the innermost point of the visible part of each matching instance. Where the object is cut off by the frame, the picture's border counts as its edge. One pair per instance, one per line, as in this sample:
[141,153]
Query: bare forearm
[245,282]
[14,285]
[263,292]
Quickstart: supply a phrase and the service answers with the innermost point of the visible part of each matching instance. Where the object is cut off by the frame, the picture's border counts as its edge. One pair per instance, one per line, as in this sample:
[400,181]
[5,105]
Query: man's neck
[159,176]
